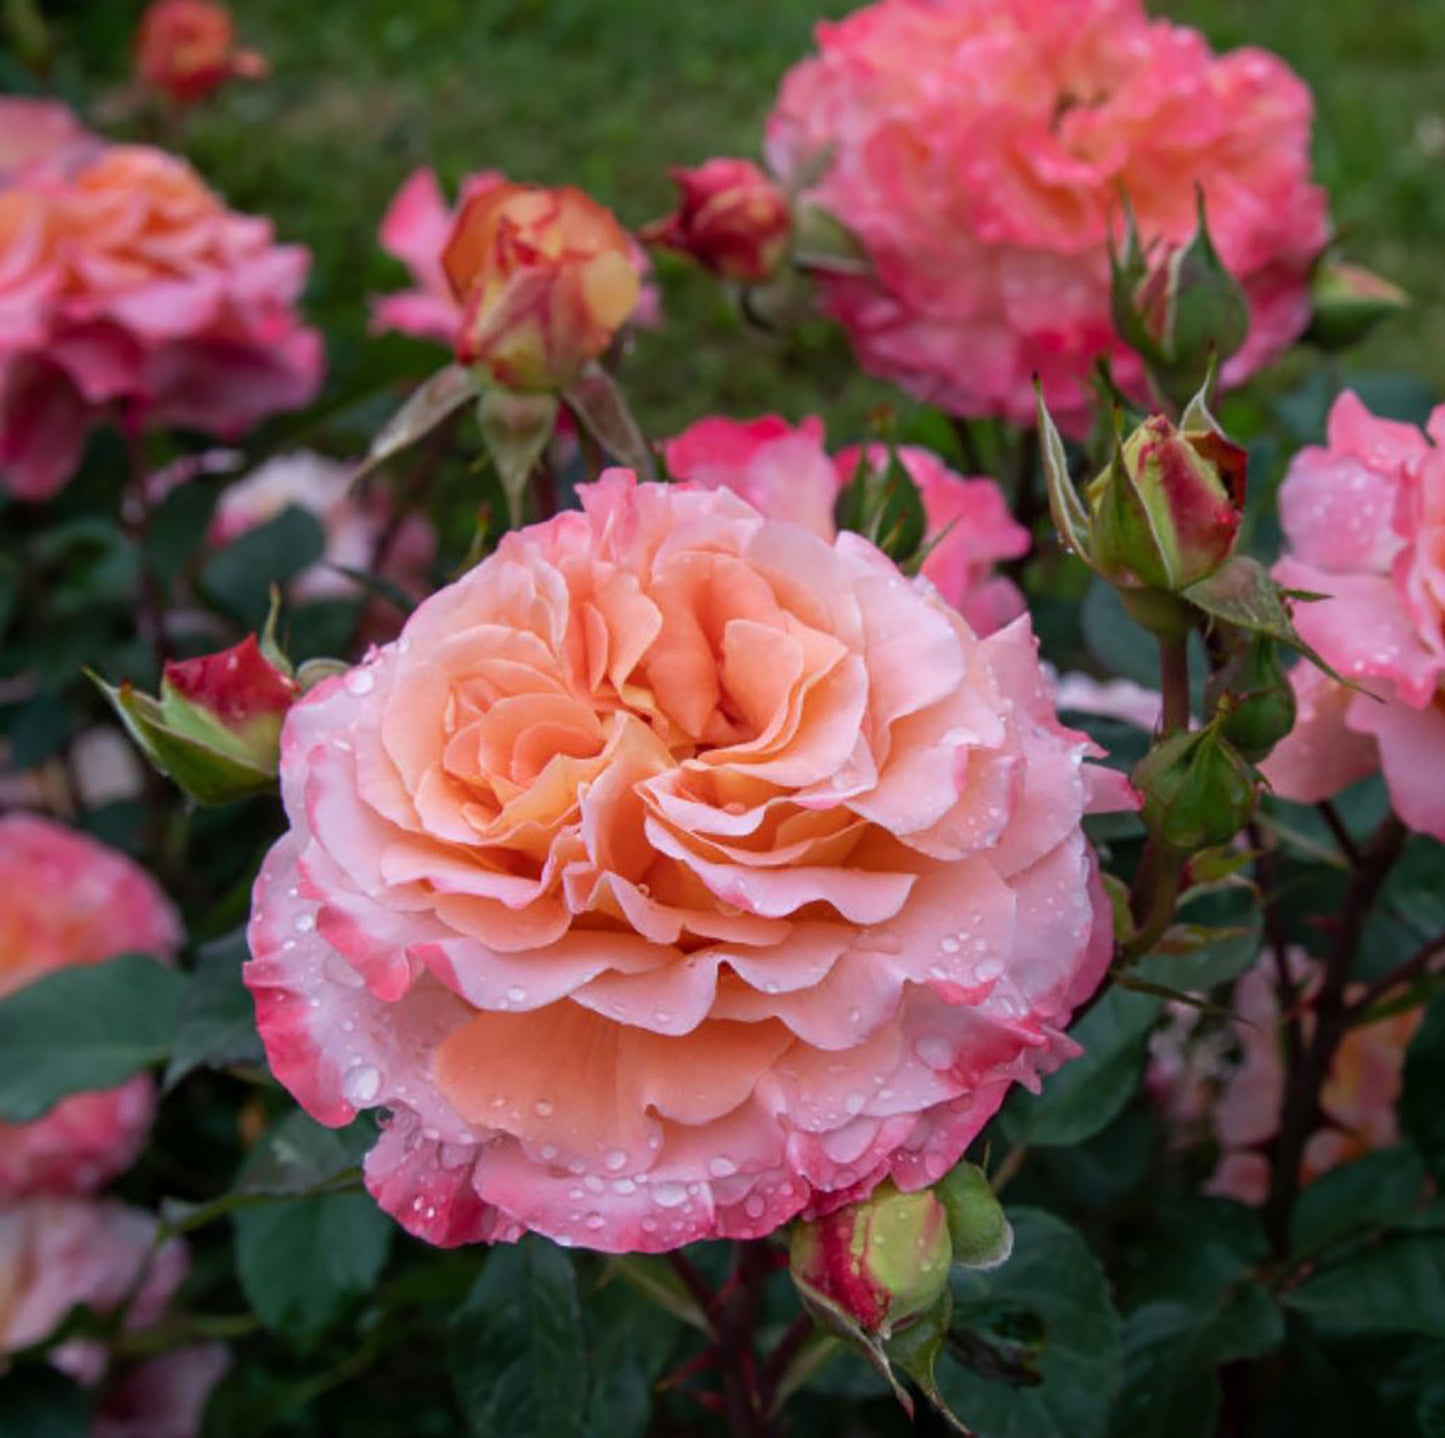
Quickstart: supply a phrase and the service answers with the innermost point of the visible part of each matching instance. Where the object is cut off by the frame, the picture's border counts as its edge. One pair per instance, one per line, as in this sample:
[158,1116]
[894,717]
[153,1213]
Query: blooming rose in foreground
[354,522]
[71,900]
[675,872]
[1357,1100]
[186,50]
[730,217]
[128,290]
[415,230]
[56,1254]
[1364,522]
[786,473]
[544,278]
[979,149]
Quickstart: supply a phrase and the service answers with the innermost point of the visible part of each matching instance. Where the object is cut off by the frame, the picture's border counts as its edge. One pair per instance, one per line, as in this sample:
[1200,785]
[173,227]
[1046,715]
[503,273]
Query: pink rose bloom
[354,522]
[1120,699]
[71,900]
[415,230]
[1358,1098]
[57,1253]
[1364,521]
[979,152]
[676,871]
[787,474]
[128,290]
[39,132]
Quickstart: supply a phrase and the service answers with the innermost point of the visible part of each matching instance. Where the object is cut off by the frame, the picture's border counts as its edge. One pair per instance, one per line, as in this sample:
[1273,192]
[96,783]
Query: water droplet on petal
[617,1159]
[721,1167]
[360,681]
[669,1195]
[361,1084]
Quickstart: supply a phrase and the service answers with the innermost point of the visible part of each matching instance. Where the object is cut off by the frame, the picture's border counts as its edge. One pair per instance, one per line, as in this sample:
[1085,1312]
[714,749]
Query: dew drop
[305,923]
[516,995]
[624,1186]
[542,1108]
[616,1160]
[361,1084]
[754,1206]
[669,1195]
[934,1050]
[360,681]
[547,1152]
[594,1221]
[950,945]
[721,1167]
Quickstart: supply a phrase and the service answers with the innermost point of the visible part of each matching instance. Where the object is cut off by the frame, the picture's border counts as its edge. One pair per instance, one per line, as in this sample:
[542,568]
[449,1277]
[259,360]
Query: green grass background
[607,93]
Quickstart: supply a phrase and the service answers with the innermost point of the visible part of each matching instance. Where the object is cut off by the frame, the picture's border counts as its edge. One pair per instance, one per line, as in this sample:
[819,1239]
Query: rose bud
[216,728]
[545,279]
[186,49]
[878,1264]
[1348,301]
[981,1235]
[1179,308]
[730,217]
[1253,694]
[1167,510]
[1198,790]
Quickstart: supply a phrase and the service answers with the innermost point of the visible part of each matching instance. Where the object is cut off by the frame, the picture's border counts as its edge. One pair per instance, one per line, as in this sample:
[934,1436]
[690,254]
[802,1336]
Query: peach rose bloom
[676,871]
[71,900]
[1358,1098]
[545,279]
[57,1253]
[786,473]
[979,149]
[186,50]
[1364,522]
[129,291]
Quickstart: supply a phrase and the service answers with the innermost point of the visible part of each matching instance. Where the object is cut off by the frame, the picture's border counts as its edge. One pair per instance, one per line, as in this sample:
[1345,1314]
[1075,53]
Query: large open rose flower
[57,1254]
[1364,520]
[129,290]
[785,472]
[71,900]
[675,871]
[979,148]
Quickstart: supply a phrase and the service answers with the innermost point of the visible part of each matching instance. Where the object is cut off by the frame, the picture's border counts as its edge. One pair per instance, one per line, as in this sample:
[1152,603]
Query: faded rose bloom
[786,473]
[730,217]
[186,50]
[354,521]
[657,898]
[1357,1100]
[72,900]
[415,230]
[128,289]
[1364,522]
[58,1253]
[39,132]
[545,279]
[979,149]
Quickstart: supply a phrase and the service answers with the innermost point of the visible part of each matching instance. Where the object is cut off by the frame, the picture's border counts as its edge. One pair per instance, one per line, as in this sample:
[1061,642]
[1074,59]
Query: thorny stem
[1342,835]
[1300,1111]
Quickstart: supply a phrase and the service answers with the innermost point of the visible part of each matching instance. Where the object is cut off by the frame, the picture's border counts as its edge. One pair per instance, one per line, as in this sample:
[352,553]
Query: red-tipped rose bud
[730,217]
[875,1265]
[216,727]
[1167,510]
[185,49]
[1348,301]
[545,279]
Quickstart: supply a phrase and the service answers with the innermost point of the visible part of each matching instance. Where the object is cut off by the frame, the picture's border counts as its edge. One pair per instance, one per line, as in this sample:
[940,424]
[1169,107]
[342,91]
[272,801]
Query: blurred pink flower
[71,900]
[786,473]
[354,521]
[60,1253]
[979,149]
[415,230]
[675,872]
[1364,523]
[129,291]
[40,132]
[186,50]
[1357,1100]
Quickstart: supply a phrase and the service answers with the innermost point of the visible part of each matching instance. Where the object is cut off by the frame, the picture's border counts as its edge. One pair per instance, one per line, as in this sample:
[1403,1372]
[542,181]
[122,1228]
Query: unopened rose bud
[1197,788]
[545,279]
[730,217]
[185,49]
[1167,510]
[981,1235]
[878,1264]
[1178,307]
[215,729]
[1347,302]
[1254,697]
